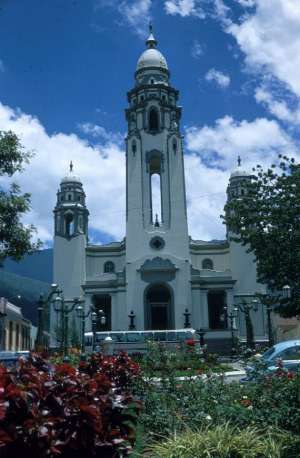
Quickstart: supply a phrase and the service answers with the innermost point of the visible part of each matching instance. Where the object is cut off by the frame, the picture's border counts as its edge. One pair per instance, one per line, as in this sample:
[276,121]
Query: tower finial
[239,160]
[151,42]
[156,221]
[71,167]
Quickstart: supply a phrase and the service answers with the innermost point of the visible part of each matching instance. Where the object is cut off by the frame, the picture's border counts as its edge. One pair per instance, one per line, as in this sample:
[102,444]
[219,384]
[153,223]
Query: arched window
[109,267]
[153,120]
[156,199]
[69,221]
[133,146]
[174,144]
[207,264]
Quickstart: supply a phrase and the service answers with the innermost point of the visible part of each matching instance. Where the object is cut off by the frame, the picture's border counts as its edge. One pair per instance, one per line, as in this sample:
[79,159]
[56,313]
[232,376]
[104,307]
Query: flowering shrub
[48,411]
[173,406]
[159,360]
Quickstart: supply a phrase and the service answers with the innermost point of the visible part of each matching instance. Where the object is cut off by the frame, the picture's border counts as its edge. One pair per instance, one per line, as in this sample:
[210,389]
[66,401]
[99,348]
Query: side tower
[70,238]
[157,242]
[242,264]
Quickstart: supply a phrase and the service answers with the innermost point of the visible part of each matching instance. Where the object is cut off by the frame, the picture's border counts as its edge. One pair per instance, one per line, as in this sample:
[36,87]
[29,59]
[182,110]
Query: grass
[225,441]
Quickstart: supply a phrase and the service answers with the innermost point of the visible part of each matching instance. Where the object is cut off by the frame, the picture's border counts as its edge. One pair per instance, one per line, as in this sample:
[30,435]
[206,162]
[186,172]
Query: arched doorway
[158,307]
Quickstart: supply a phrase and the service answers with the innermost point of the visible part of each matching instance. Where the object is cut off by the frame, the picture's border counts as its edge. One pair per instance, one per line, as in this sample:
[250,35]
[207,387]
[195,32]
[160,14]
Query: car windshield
[268,353]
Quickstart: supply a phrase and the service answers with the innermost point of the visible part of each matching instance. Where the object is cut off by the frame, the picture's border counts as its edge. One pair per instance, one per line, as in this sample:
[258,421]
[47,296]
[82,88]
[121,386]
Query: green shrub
[225,441]
[160,360]
[173,405]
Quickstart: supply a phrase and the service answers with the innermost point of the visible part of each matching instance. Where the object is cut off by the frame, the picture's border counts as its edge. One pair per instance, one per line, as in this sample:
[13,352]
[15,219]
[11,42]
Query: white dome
[239,172]
[152,58]
[71,179]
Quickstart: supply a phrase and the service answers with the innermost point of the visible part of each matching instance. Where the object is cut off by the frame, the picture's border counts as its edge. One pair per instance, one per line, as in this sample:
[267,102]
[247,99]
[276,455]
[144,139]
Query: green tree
[15,238]
[266,219]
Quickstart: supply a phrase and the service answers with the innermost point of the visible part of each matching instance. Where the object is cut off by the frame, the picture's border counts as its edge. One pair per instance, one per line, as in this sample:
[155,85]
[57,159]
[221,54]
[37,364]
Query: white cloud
[218,77]
[247,3]
[206,196]
[270,40]
[137,14]
[212,156]
[197,49]
[221,12]
[96,131]
[184,8]
[2,68]
[258,141]
[277,106]
[101,169]
[214,151]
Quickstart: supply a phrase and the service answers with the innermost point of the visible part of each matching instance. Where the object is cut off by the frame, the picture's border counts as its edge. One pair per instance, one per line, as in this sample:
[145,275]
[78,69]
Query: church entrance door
[159,308]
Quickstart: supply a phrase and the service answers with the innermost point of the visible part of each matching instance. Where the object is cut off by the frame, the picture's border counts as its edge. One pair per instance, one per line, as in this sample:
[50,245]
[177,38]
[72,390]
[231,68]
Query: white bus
[136,341]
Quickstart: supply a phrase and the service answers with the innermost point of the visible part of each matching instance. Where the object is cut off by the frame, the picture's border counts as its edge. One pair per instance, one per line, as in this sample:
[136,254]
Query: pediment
[158,264]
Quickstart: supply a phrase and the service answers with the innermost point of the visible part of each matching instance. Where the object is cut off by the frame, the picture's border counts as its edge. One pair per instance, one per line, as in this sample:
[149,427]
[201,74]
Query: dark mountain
[12,285]
[37,266]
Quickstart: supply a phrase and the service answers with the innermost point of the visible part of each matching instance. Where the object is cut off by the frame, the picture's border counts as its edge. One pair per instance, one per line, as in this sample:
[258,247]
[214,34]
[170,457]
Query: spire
[156,221]
[239,161]
[151,41]
[71,167]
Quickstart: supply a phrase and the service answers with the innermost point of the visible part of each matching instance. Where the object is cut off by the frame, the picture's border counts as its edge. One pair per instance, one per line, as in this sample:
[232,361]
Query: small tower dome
[70,178]
[239,172]
[151,57]
[71,214]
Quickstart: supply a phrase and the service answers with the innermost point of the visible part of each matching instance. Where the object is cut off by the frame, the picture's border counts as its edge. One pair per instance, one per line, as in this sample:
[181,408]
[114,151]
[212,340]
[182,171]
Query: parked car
[288,353]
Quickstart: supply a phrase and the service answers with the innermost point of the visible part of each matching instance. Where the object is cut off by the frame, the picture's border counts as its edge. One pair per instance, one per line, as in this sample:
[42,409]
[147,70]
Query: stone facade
[157,271]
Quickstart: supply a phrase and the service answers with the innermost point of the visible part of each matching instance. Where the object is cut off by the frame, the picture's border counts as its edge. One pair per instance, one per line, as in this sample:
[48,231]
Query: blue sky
[65,68]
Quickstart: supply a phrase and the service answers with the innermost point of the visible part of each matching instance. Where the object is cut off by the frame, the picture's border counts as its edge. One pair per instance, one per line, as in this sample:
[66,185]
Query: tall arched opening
[159,308]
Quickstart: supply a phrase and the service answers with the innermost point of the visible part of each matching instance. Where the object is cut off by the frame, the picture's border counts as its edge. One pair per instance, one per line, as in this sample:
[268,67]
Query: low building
[16,331]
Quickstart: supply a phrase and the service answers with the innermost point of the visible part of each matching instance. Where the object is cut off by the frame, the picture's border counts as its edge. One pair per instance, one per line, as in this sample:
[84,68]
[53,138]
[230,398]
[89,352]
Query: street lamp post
[42,303]
[231,316]
[187,315]
[269,300]
[246,308]
[131,317]
[97,316]
[40,329]
[61,307]
[201,332]
[269,323]
[82,316]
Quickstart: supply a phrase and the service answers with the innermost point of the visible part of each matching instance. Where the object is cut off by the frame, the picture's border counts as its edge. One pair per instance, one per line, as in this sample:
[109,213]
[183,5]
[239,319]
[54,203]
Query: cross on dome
[71,167]
[151,41]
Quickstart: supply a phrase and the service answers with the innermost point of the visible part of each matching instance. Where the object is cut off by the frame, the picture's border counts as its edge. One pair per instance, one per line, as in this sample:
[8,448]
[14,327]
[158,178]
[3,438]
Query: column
[204,308]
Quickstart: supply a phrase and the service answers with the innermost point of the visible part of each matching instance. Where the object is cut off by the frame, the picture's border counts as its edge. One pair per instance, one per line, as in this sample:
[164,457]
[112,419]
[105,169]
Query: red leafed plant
[62,411]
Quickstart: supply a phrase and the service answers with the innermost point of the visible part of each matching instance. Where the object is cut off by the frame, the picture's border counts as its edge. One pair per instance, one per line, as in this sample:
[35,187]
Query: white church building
[157,271]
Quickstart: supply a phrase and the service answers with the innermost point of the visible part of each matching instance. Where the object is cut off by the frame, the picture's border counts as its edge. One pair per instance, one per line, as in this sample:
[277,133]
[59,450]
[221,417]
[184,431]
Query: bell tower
[70,236]
[157,243]
[243,266]
[154,159]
